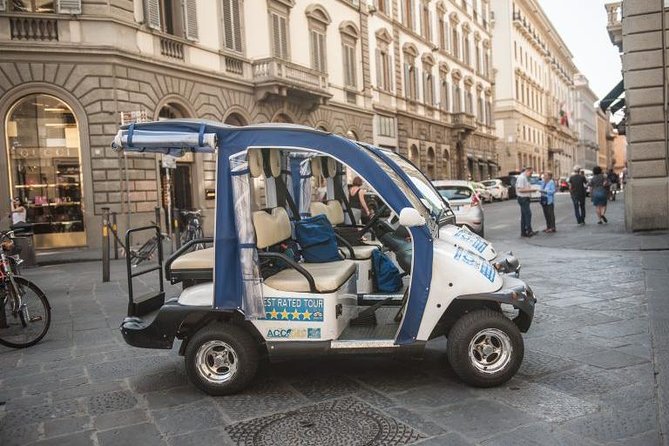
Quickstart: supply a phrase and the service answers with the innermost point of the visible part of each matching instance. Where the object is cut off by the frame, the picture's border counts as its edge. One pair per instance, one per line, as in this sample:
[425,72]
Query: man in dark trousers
[523,192]
[577,188]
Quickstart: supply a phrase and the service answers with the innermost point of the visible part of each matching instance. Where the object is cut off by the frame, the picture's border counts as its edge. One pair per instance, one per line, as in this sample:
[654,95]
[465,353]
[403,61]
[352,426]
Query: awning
[612,96]
[620,103]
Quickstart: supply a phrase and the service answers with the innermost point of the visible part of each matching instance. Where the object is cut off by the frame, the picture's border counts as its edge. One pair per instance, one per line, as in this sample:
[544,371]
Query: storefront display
[45,170]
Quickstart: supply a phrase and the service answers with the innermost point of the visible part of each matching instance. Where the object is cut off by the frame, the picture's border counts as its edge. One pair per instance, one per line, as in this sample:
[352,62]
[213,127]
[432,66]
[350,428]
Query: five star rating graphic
[286,316]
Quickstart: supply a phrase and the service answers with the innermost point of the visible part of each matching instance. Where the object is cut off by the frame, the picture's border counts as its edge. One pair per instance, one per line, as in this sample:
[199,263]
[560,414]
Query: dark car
[510,182]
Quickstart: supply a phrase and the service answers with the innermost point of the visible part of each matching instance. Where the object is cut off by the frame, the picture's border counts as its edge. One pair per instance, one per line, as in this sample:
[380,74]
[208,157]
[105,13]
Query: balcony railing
[274,68]
[464,121]
[33,28]
[171,48]
[234,65]
[614,11]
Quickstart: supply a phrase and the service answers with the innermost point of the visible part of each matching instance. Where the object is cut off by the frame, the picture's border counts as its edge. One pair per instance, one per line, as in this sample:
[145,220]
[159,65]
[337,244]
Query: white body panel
[364,282]
[201,295]
[465,238]
[305,316]
[455,272]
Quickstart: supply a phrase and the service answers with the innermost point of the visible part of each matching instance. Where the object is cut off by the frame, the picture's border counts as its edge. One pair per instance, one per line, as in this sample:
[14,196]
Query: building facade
[639,29]
[605,137]
[585,123]
[534,83]
[412,75]
[432,84]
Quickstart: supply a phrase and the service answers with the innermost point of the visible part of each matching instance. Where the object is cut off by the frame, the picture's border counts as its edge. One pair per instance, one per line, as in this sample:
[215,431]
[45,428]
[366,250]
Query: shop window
[45,169]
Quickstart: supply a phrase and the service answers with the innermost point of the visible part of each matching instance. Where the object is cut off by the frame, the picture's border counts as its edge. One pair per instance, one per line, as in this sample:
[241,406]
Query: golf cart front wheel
[485,348]
[221,359]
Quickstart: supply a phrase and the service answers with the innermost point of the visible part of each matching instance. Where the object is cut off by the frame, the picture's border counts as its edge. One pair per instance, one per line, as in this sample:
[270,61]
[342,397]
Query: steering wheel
[372,221]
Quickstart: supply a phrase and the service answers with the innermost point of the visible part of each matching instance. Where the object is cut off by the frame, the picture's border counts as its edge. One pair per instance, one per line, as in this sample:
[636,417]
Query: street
[588,376]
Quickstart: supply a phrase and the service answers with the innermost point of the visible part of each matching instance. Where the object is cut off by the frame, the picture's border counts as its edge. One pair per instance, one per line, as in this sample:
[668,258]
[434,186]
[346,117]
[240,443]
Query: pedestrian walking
[614,180]
[577,189]
[599,194]
[523,192]
[356,198]
[547,200]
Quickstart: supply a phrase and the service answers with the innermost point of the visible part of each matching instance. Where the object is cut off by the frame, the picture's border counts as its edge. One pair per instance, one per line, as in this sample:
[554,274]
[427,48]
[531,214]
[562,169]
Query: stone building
[534,88]
[605,137]
[432,84]
[585,123]
[639,29]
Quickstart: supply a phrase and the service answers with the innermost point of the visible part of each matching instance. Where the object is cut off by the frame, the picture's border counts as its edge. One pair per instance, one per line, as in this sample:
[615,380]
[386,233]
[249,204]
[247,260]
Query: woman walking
[356,198]
[599,193]
[548,200]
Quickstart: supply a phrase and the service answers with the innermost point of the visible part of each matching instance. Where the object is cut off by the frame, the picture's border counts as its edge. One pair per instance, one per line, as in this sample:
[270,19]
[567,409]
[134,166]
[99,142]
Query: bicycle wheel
[198,235]
[27,323]
[144,253]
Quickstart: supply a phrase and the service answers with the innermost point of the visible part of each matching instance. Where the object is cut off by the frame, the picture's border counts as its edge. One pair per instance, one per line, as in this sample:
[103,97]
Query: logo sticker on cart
[294,309]
[474,240]
[294,333]
[485,268]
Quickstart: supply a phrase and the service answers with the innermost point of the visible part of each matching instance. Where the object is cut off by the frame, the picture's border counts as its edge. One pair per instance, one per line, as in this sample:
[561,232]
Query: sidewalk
[596,371]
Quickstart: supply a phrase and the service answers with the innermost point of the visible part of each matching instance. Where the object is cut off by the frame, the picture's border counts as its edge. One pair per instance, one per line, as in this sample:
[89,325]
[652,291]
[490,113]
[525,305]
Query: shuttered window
[190,19]
[349,66]
[69,6]
[445,93]
[232,25]
[317,50]
[279,36]
[153,14]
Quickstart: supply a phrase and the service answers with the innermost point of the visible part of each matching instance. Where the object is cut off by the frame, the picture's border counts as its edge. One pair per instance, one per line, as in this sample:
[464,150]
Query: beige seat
[200,259]
[335,214]
[328,277]
[272,228]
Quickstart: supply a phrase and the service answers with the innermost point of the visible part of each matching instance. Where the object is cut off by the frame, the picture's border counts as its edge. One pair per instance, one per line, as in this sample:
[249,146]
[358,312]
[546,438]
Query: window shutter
[391,68]
[3,5]
[276,36]
[283,26]
[412,16]
[68,6]
[227,24]
[237,25]
[379,71]
[416,93]
[321,52]
[354,72]
[407,81]
[153,14]
[190,19]
[314,49]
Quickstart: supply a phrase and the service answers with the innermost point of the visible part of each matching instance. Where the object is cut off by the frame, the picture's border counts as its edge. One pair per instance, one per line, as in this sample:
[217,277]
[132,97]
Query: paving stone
[584,380]
[543,434]
[117,419]
[618,329]
[538,363]
[610,359]
[78,439]
[111,402]
[479,419]
[187,418]
[132,367]
[416,420]
[324,386]
[40,413]
[211,437]
[175,396]
[63,426]
[397,379]
[572,301]
[160,381]
[85,390]
[452,439]
[18,434]
[262,397]
[144,434]
[346,421]
[436,395]
[610,426]
[646,439]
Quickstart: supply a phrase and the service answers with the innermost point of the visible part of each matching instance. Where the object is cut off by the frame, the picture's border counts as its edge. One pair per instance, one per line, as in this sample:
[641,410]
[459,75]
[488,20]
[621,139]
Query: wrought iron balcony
[463,121]
[274,77]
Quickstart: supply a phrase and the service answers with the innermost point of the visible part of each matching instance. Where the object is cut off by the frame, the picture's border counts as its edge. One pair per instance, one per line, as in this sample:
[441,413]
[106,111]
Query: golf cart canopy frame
[175,137]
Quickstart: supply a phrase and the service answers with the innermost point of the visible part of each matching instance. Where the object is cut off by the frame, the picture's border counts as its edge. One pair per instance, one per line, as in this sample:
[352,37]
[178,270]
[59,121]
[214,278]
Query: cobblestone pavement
[588,376]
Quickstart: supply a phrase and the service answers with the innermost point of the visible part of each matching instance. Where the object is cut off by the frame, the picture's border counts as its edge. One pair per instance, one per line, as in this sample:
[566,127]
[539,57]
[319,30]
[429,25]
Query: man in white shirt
[523,192]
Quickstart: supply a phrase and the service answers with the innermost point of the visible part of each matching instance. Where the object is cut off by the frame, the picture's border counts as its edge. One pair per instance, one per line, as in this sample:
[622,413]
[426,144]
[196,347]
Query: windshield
[430,197]
[455,192]
[489,183]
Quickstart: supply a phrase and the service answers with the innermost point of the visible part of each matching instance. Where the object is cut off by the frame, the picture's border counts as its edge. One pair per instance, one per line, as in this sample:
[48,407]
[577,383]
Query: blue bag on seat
[388,279]
[317,239]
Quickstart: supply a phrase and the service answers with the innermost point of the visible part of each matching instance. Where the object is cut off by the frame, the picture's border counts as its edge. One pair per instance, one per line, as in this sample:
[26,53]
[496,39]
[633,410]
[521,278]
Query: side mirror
[410,217]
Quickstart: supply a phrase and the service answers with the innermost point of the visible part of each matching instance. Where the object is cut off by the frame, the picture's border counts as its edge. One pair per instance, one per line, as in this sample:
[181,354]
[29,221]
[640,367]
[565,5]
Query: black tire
[469,332]
[38,306]
[199,361]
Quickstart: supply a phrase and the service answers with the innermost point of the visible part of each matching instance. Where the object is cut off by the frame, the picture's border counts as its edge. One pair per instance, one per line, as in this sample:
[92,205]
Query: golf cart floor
[385,327]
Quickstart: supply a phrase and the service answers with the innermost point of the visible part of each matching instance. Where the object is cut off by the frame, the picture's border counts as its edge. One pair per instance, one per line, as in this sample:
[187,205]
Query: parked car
[510,182]
[465,202]
[483,192]
[497,189]
[563,185]
[535,182]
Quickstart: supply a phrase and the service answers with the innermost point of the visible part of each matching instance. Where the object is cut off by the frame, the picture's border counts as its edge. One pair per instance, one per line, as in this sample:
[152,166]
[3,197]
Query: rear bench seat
[335,214]
[274,228]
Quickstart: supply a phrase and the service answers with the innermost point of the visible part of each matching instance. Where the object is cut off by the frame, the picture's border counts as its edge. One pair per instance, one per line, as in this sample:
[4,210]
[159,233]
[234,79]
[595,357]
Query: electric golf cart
[265,299]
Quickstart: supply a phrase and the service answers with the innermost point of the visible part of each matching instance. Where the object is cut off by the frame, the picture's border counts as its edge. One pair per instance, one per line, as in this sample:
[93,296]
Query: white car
[497,189]
[535,182]
[465,202]
[482,191]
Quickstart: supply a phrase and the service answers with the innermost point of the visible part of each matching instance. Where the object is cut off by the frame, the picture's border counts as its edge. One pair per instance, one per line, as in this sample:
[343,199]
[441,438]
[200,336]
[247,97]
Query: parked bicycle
[147,250]
[25,313]
[194,229]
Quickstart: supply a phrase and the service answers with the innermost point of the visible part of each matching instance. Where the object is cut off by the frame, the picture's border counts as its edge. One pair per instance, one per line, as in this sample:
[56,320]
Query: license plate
[456,208]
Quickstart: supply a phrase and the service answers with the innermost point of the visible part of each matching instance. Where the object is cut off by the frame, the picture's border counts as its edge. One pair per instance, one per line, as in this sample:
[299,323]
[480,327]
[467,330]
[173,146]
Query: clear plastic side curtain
[305,187]
[252,297]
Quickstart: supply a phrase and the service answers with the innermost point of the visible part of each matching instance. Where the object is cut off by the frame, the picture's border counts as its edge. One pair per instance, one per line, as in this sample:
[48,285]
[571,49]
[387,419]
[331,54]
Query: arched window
[446,165]
[235,119]
[43,148]
[282,118]
[318,20]
[430,163]
[173,110]
[410,72]
[414,155]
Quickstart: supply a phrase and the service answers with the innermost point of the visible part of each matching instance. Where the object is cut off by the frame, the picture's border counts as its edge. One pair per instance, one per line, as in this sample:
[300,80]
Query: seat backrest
[335,212]
[271,228]
[318,208]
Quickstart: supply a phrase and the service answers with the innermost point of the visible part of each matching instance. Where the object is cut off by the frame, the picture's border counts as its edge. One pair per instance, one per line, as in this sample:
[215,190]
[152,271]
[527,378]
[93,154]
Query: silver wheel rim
[490,350]
[217,362]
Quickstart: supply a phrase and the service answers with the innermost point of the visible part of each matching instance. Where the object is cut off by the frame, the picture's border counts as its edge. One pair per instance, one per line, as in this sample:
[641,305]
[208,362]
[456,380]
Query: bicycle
[193,228]
[147,250]
[25,313]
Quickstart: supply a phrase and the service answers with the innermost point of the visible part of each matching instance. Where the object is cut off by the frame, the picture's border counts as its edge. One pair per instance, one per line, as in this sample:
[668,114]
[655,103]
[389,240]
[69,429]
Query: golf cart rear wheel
[485,348]
[221,359]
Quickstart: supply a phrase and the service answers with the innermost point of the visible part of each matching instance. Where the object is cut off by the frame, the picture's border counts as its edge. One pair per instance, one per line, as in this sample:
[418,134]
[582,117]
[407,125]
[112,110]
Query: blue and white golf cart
[261,301]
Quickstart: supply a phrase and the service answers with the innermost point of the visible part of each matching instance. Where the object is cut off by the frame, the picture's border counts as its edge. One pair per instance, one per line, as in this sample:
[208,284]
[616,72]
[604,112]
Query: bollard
[158,222]
[177,227]
[105,244]
[115,234]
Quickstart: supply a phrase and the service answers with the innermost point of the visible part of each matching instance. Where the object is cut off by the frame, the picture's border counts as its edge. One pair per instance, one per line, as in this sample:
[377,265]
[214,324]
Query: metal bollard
[114,226]
[176,227]
[158,222]
[105,244]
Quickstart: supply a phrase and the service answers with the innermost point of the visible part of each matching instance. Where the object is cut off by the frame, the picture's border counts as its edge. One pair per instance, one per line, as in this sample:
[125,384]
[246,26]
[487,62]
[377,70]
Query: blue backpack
[317,239]
[386,274]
